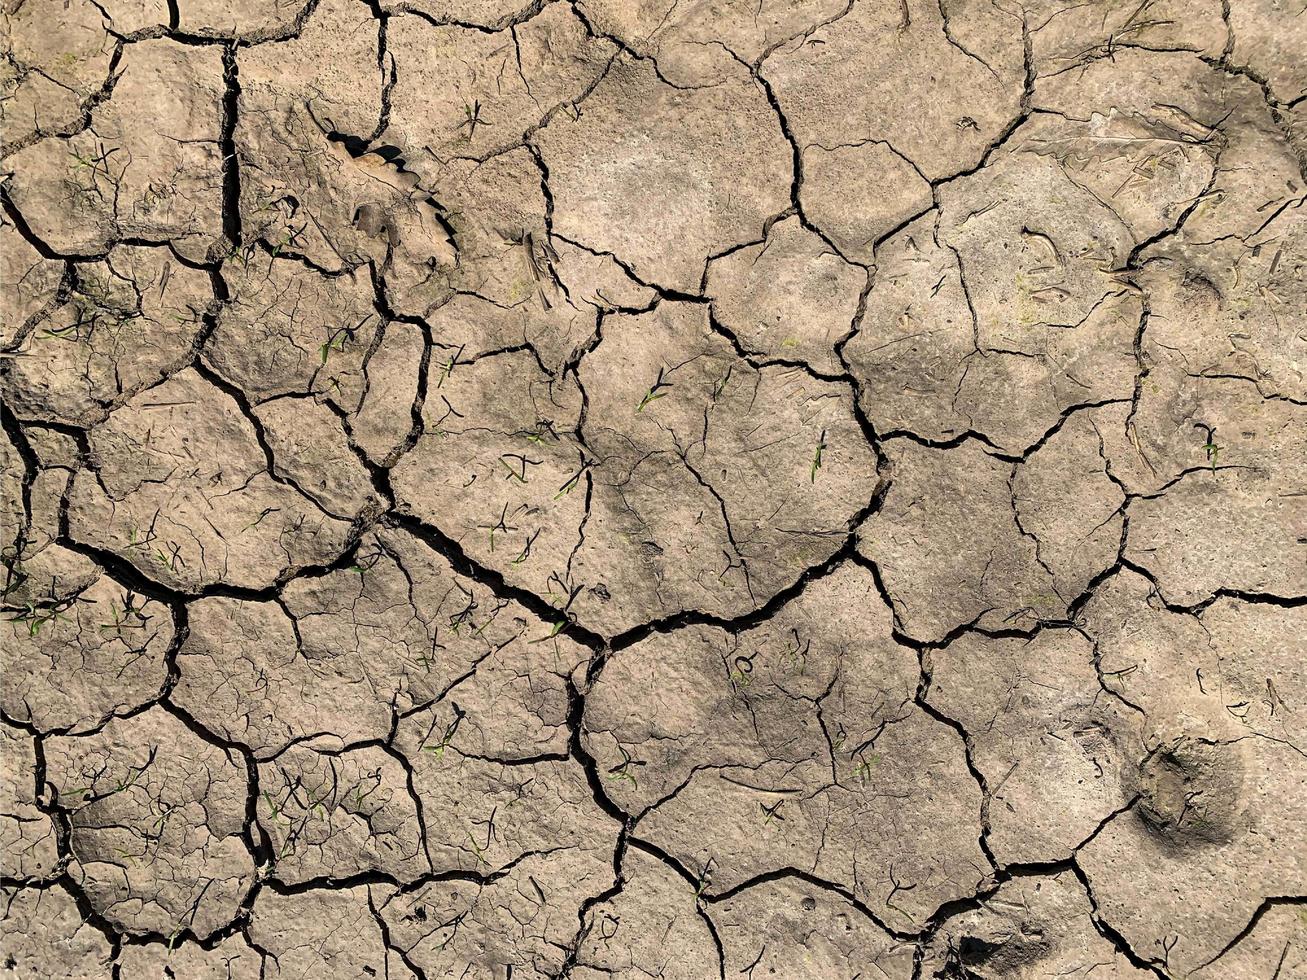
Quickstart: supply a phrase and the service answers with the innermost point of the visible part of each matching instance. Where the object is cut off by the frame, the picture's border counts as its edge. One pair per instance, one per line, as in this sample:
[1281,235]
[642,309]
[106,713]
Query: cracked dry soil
[637,488]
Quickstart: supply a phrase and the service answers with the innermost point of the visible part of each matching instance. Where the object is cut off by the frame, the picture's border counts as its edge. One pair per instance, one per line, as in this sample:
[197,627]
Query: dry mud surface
[638,488]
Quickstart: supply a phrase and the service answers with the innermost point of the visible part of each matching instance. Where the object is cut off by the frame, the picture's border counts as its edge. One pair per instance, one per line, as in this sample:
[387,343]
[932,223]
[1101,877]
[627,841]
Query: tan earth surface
[685,489]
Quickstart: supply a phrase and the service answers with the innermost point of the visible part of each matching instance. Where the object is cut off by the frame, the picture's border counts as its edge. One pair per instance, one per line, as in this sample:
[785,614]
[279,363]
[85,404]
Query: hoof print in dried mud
[598,489]
[1191,792]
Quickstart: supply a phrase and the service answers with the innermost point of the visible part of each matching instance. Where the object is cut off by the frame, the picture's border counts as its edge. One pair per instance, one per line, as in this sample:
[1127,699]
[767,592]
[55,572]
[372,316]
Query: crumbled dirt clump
[598,489]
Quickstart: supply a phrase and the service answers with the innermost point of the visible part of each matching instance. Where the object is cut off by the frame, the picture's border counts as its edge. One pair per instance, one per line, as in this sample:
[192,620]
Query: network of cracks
[638,488]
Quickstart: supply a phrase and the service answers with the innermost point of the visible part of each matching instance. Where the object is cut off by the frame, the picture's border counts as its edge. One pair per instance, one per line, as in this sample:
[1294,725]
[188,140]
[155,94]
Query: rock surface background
[653,488]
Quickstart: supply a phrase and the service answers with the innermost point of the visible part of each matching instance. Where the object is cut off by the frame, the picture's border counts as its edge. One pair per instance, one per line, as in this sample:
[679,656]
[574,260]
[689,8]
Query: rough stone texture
[591,489]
